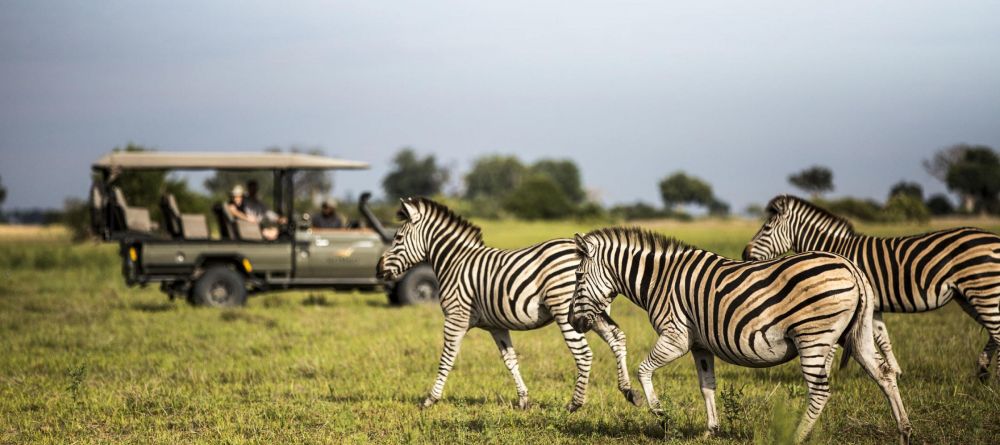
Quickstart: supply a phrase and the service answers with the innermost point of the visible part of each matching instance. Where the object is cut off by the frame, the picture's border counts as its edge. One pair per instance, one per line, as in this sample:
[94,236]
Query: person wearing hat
[328,217]
[236,207]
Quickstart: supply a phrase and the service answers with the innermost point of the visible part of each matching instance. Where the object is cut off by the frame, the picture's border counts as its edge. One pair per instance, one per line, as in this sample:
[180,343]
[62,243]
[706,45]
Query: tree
[565,174]
[679,189]
[493,176]
[906,207]
[976,174]
[814,180]
[907,188]
[412,175]
[718,208]
[939,205]
[538,197]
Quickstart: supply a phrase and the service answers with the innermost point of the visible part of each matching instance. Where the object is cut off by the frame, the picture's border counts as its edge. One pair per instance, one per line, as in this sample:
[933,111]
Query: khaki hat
[237,191]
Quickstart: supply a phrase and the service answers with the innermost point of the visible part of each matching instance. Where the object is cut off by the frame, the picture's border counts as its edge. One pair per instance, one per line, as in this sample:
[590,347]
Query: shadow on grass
[152,307]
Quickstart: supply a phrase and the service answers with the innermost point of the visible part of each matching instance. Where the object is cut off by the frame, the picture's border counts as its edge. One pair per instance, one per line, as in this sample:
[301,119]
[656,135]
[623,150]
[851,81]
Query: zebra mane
[436,207]
[642,237]
[772,206]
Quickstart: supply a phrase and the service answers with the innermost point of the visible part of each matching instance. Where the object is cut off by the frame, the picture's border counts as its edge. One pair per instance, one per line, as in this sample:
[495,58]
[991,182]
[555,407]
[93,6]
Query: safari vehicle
[187,260]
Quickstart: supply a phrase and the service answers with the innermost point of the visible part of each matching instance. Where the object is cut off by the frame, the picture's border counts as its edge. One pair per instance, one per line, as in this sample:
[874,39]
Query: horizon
[739,95]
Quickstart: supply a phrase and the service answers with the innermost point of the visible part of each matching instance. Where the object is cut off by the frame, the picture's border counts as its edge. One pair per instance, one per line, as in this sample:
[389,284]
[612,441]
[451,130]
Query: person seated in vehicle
[237,207]
[328,217]
[253,206]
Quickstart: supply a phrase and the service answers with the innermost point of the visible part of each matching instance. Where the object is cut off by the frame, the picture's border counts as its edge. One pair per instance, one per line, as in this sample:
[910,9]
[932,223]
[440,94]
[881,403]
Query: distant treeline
[504,186]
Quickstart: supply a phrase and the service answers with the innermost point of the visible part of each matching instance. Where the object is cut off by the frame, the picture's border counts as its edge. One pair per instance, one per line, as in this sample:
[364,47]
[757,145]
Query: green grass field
[83,359]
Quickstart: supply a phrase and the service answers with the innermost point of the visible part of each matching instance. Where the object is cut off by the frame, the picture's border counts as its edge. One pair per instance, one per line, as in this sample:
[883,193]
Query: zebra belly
[532,316]
[766,350]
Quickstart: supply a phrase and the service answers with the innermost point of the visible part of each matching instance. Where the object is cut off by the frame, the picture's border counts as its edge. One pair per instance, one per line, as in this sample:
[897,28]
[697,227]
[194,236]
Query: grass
[85,359]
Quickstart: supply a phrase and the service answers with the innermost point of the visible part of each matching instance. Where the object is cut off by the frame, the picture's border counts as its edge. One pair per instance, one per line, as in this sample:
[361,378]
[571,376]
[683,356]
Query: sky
[740,94]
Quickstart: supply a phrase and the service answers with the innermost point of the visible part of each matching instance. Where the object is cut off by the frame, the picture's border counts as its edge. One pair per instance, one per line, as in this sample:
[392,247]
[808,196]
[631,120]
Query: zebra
[497,290]
[754,314]
[910,274]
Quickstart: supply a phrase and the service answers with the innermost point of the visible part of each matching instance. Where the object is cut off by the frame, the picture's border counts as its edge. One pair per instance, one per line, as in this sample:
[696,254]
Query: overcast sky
[738,93]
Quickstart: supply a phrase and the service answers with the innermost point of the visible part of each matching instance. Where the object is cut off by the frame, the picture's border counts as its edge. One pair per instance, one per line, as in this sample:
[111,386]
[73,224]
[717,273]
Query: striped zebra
[497,290]
[755,314]
[910,274]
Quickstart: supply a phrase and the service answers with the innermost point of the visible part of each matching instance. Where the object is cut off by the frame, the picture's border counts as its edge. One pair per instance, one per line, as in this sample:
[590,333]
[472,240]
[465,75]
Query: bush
[861,209]
[906,207]
[637,210]
[940,205]
[538,197]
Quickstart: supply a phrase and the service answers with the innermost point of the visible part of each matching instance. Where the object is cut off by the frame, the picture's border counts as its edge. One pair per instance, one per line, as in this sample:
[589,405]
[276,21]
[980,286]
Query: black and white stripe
[755,314]
[910,274]
[497,290]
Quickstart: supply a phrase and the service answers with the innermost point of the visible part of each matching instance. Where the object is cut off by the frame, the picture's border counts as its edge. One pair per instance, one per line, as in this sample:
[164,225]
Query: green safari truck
[222,267]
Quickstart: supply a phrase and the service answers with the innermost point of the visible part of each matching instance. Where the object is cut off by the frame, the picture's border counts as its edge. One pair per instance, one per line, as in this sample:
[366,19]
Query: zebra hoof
[573,406]
[632,396]
[428,402]
[522,403]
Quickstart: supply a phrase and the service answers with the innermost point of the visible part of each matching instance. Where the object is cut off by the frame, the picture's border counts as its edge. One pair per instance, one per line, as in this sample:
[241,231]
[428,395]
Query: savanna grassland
[84,359]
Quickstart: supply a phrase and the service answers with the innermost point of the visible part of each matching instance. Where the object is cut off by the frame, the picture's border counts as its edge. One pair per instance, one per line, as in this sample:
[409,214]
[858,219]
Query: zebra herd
[760,312]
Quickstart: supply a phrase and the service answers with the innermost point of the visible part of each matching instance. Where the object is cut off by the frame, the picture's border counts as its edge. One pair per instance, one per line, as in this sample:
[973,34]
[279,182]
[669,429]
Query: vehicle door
[337,253]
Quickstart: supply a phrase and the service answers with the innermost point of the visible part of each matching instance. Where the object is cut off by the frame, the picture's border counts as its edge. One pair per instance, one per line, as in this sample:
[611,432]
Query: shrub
[538,197]
[906,207]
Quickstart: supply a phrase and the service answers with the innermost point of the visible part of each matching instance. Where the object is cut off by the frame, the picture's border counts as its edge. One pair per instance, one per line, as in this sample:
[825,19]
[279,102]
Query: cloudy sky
[738,93]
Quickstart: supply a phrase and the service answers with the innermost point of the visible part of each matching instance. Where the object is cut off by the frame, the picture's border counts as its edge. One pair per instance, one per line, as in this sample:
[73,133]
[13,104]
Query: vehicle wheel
[419,285]
[219,286]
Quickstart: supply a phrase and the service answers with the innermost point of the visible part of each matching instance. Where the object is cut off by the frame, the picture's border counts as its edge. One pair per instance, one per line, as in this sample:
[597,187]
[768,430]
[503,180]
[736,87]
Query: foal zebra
[910,274]
[497,290]
[755,314]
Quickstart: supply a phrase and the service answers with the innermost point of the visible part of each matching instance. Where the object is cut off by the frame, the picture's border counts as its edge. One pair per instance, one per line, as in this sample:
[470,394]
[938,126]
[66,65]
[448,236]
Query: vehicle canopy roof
[204,160]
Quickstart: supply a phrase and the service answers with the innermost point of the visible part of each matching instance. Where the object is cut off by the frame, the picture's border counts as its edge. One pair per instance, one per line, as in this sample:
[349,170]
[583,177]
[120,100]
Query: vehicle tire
[419,285]
[219,286]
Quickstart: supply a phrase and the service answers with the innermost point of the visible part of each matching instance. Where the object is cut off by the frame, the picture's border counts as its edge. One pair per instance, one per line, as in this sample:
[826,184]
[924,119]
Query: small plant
[315,300]
[77,375]
[737,412]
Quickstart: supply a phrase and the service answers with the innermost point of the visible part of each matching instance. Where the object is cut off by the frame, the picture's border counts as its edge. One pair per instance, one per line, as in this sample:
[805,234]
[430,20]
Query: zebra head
[409,247]
[776,236]
[594,286]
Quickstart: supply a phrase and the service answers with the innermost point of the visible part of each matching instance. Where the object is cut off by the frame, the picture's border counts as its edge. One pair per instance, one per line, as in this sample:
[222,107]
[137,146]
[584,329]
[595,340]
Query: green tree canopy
[907,188]
[538,197]
[565,174]
[814,180]
[977,174]
[939,204]
[493,176]
[679,189]
[308,183]
[412,175]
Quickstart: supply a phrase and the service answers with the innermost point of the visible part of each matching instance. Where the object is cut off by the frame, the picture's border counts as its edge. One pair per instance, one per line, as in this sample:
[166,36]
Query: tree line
[500,186]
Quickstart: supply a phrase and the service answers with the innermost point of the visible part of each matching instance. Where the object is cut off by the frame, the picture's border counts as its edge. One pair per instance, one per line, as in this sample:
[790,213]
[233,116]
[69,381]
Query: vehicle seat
[98,225]
[182,226]
[234,229]
[130,218]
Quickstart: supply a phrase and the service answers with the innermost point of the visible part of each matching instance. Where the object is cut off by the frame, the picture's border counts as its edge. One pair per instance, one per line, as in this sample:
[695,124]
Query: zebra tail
[860,331]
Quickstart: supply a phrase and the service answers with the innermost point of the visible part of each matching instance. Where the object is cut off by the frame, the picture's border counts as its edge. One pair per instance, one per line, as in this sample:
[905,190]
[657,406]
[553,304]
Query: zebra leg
[985,357]
[882,341]
[668,348]
[815,360]
[704,361]
[583,357]
[862,348]
[615,337]
[454,331]
[502,339]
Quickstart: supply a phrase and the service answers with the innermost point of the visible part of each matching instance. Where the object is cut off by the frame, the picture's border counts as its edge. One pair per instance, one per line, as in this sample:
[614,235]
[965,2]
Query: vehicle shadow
[152,307]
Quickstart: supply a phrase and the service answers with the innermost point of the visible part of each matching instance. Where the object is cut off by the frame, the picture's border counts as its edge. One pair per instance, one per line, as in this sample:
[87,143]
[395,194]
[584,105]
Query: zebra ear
[582,249]
[410,210]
